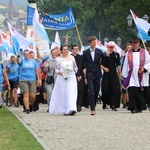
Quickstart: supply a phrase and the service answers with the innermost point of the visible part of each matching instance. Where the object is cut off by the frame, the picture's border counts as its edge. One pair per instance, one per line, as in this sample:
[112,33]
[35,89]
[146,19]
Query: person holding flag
[136,71]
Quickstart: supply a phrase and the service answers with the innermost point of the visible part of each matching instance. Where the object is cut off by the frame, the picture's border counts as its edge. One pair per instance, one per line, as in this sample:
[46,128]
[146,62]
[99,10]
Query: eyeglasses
[75,48]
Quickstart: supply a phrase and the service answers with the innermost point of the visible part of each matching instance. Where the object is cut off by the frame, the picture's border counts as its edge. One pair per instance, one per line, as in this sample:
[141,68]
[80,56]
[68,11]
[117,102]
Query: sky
[22,2]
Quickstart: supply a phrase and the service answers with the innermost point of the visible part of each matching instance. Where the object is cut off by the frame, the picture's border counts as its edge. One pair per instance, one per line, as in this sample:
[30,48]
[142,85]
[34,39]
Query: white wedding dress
[64,94]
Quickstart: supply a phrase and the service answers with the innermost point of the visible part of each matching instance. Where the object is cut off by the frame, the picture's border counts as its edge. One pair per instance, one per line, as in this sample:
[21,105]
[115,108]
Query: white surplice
[136,63]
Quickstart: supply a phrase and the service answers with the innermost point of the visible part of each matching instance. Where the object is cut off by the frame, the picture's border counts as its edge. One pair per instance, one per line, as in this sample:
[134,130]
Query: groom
[91,59]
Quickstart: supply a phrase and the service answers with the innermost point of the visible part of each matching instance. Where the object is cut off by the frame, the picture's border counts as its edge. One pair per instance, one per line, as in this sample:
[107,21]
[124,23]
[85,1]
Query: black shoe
[10,105]
[48,110]
[27,111]
[45,101]
[30,108]
[24,110]
[114,108]
[104,106]
[66,115]
[124,106]
[79,109]
[71,113]
[33,108]
[16,105]
[0,106]
[139,111]
[134,111]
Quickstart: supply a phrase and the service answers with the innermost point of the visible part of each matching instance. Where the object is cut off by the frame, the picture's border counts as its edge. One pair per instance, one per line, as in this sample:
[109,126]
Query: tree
[107,16]
[120,10]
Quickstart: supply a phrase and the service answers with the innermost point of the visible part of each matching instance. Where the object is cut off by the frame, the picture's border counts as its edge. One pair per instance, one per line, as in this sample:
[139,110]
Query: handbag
[50,78]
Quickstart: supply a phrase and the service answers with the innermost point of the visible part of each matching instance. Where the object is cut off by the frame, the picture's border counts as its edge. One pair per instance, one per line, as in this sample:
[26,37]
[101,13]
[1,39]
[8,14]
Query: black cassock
[111,90]
[80,84]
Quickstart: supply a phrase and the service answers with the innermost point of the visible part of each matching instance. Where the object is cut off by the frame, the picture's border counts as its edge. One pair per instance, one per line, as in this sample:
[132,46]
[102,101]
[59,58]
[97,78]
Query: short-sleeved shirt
[28,69]
[12,71]
[1,74]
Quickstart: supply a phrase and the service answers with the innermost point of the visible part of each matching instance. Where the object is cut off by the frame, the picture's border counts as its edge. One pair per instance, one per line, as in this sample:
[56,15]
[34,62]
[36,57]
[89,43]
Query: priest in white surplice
[136,70]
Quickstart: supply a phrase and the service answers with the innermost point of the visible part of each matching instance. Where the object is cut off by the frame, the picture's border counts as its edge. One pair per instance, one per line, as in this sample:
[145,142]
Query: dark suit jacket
[93,70]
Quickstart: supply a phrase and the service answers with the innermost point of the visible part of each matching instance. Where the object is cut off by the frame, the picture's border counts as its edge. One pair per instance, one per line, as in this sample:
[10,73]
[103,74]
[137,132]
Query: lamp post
[129,20]
[106,39]
[118,41]
[99,35]
[32,3]
[145,17]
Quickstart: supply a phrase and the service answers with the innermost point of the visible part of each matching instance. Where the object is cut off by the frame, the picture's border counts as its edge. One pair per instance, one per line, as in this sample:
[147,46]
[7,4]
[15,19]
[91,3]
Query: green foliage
[119,12]
[106,16]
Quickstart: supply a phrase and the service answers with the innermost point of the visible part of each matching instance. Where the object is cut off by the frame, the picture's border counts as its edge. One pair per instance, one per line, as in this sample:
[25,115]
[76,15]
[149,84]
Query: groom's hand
[60,73]
[79,78]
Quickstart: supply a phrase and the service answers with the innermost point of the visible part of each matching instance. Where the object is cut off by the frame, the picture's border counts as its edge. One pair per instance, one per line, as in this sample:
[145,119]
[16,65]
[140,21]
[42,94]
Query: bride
[64,94]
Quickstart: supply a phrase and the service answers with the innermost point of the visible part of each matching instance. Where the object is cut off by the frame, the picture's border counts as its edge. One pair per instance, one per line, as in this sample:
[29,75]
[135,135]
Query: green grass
[13,135]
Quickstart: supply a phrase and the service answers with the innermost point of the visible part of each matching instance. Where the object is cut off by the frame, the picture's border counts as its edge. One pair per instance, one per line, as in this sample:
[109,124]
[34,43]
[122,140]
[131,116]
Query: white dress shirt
[92,53]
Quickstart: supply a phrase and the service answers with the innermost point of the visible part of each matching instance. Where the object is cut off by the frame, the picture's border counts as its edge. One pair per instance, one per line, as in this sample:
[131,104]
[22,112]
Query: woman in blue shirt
[28,75]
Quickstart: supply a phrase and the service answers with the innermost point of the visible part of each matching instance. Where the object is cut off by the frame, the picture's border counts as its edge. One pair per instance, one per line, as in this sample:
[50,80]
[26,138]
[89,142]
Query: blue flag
[56,22]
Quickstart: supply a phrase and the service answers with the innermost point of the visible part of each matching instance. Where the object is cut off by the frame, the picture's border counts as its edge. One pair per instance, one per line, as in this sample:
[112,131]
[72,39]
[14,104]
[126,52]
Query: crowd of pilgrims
[66,81]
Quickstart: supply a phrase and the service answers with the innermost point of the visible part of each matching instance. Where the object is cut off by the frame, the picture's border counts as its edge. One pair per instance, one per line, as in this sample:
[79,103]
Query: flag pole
[142,41]
[79,36]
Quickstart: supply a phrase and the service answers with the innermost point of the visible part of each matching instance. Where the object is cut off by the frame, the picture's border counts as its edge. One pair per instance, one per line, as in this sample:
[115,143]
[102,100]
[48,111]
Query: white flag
[57,39]
[23,42]
[39,30]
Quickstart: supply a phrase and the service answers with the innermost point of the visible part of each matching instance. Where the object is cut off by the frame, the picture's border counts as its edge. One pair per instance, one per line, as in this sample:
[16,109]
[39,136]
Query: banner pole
[78,36]
[142,41]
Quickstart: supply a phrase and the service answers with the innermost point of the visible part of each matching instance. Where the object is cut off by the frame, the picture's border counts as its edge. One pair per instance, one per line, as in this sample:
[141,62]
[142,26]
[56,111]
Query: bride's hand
[60,73]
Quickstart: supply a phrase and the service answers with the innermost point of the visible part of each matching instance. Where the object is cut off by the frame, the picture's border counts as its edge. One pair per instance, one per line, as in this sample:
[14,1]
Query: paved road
[107,130]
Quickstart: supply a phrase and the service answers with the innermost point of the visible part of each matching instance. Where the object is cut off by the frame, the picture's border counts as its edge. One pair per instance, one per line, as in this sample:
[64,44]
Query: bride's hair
[61,48]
